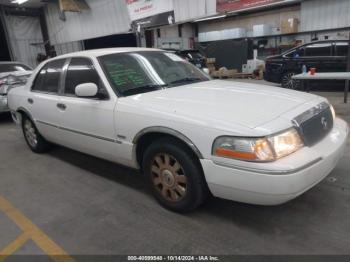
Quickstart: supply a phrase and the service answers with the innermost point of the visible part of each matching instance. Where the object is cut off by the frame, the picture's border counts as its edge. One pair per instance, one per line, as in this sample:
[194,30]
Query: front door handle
[61,106]
[30,101]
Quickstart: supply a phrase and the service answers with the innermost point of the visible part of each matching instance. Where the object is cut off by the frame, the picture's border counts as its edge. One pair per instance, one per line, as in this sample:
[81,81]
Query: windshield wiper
[186,80]
[143,89]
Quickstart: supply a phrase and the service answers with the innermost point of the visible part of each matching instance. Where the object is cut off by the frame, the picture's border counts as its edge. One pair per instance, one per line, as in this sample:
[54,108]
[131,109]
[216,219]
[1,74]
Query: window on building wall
[180,30]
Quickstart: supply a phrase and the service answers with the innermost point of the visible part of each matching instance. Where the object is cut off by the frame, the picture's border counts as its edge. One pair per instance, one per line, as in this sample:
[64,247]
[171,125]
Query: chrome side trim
[80,133]
[169,131]
[270,172]
[47,124]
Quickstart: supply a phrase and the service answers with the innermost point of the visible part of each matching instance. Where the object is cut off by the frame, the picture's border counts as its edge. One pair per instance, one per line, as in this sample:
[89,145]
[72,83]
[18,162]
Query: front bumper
[262,187]
[3,104]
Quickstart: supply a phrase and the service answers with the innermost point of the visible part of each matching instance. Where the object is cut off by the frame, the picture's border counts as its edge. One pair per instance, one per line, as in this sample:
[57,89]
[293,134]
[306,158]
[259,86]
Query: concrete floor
[90,206]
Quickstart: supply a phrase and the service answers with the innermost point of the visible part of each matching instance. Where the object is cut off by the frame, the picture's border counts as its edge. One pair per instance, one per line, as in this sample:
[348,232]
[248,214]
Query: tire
[34,139]
[288,83]
[174,175]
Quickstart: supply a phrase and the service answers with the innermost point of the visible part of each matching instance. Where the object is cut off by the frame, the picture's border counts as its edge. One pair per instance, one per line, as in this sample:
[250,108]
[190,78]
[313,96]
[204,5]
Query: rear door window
[342,49]
[82,71]
[321,49]
[48,79]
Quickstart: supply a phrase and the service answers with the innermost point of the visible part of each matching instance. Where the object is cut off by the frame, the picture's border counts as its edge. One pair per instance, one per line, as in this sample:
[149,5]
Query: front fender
[169,131]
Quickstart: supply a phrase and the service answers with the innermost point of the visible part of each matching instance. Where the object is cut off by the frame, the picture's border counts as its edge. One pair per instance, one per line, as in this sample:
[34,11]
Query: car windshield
[5,68]
[141,72]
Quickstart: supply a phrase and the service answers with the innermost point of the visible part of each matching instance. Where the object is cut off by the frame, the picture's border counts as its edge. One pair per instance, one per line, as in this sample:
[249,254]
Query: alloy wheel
[30,133]
[168,177]
[288,82]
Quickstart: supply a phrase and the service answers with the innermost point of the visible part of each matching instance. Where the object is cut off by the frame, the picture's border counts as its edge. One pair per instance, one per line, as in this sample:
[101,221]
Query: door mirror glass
[86,90]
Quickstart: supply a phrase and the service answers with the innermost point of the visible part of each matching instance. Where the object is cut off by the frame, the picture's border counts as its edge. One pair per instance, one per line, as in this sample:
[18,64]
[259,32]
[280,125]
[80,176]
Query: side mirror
[86,90]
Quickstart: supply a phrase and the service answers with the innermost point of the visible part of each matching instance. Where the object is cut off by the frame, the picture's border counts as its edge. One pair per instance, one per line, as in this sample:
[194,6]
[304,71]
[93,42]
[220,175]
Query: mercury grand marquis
[191,136]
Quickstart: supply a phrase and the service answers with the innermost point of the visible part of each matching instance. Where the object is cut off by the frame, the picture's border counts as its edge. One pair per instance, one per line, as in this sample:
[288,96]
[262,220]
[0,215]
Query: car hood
[221,103]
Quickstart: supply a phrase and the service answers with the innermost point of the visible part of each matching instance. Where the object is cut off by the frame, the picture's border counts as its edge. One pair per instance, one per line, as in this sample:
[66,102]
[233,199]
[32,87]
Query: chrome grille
[315,124]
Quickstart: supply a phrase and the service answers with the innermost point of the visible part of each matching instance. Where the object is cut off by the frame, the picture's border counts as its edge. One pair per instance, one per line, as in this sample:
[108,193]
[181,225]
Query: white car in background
[151,110]
[12,74]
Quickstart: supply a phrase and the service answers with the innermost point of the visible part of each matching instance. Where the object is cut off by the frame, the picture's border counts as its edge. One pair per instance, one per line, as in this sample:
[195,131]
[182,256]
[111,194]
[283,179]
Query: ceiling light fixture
[19,1]
[210,18]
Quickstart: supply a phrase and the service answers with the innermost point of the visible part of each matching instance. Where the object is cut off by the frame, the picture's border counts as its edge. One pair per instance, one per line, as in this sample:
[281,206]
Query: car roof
[314,42]
[107,51]
[189,50]
[326,41]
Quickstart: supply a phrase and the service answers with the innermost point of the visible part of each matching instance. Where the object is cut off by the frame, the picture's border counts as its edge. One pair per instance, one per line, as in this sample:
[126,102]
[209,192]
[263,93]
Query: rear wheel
[288,82]
[32,136]
[175,176]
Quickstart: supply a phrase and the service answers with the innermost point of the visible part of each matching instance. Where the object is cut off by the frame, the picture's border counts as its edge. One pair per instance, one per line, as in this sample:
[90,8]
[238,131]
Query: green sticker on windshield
[123,76]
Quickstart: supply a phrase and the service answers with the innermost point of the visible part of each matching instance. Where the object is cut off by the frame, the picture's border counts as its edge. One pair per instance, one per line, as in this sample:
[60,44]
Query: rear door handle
[30,101]
[61,106]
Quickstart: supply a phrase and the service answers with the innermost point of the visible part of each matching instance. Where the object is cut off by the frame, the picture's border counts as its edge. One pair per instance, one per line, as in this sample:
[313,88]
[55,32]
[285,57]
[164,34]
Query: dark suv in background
[325,56]
[194,57]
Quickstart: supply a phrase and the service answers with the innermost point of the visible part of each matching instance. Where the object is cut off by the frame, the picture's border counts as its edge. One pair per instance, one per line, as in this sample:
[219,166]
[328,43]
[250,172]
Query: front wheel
[288,82]
[175,176]
[32,136]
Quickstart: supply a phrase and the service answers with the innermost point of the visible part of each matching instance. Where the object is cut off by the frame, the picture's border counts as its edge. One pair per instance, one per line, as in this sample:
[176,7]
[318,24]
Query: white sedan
[12,74]
[191,136]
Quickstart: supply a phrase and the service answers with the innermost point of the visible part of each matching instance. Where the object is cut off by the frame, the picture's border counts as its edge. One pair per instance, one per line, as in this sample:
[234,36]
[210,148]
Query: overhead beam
[21,11]
[73,5]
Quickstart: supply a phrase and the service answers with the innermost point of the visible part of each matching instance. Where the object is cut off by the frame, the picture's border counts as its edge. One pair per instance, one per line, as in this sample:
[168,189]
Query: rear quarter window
[48,79]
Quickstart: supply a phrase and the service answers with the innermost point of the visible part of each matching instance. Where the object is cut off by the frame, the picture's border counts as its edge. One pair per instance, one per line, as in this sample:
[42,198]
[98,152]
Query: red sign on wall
[236,5]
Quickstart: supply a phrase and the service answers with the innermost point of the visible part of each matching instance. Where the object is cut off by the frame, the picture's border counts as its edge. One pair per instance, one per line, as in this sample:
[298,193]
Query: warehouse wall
[272,18]
[170,37]
[71,47]
[25,38]
[106,17]
[188,10]
[324,14]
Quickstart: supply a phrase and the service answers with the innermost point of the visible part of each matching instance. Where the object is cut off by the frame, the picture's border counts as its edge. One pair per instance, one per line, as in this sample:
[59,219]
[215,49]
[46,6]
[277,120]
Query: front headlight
[265,149]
